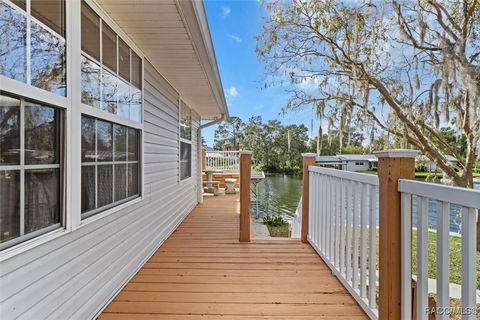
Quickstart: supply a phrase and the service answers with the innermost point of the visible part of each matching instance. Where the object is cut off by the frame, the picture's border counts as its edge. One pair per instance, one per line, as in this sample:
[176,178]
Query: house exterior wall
[75,275]
[357,165]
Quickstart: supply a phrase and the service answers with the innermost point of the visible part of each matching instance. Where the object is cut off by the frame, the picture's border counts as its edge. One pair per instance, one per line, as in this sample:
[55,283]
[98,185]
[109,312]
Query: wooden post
[392,166]
[245,177]
[204,159]
[308,160]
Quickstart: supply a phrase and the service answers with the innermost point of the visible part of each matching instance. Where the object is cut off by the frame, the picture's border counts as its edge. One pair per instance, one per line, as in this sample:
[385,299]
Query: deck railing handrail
[443,196]
[343,208]
[223,160]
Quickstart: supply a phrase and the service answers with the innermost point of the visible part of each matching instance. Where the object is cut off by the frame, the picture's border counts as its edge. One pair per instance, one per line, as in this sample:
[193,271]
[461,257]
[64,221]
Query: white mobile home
[100,110]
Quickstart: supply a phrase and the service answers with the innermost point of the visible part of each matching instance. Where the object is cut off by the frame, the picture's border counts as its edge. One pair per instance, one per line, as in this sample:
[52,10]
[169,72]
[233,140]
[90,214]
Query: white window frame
[181,105]
[72,111]
[31,93]
[85,109]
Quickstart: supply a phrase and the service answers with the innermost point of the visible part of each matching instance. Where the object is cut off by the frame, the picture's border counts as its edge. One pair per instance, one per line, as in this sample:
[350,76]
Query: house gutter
[199,152]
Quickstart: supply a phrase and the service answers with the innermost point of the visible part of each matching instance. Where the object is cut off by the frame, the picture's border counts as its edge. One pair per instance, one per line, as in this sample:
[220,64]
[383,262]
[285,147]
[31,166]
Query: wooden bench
[214,185]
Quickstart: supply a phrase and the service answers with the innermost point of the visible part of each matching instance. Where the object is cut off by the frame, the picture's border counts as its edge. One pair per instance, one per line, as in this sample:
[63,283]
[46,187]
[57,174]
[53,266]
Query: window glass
[113,176]
[20,3]
[88,139]
[120,143]
[41,134]
[88,188]
[48,60]
[90,83]
[90,32]
[123,60]
[132,145]
[42,199]
[51,13]
[13,43]
[136,71]
[109,91]
[104,141]
[109,47]
[105,185]
[136,105]
[124,101]
[10,200]
[120,182]
[9,131]
[185,160]
[37,178]
[132,179]
[185,122]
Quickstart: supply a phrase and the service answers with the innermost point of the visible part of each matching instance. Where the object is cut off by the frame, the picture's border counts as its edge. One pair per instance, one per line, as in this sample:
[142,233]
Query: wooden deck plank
[203,272]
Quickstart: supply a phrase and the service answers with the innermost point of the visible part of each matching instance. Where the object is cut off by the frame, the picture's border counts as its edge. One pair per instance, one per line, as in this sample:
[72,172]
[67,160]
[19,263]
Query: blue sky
[234,25]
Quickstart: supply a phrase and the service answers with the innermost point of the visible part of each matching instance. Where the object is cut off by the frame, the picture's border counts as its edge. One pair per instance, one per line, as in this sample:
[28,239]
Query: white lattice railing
[223,160]
[296,224]
[343,211]
[443,197]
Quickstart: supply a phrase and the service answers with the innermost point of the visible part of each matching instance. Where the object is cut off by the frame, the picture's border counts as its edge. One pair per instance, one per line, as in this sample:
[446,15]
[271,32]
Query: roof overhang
[175,37]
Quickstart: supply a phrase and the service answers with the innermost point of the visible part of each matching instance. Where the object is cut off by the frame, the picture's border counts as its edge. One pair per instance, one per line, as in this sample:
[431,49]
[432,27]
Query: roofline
[196,23]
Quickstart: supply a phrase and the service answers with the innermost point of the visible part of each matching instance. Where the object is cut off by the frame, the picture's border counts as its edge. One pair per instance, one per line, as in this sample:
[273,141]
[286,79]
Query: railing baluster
[337,223]
[323,206]
[443,258]
[342,227]
[372,254]
[318,198]
[422,259]
[311,206]
[469,255]
[363,242]
[349,231]
[355,235]
[406,230]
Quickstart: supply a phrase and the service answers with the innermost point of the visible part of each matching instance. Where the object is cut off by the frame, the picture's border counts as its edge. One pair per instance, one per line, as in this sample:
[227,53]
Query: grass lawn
[278,231]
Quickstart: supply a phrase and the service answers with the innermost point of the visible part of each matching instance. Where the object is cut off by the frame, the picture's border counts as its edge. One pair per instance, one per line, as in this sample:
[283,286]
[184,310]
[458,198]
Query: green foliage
[274,221]
[269,142]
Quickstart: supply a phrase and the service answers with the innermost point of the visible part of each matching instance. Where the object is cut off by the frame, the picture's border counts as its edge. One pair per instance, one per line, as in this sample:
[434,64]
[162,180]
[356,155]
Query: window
[110,165]
[185,142]
[30,169]
[35,52]
[111,70]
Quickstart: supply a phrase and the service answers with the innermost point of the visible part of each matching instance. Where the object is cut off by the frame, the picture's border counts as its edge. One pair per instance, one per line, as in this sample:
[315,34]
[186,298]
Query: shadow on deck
[203,272]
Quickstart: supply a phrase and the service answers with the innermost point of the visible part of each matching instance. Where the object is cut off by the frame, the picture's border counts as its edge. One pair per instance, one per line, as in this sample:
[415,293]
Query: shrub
[274,221]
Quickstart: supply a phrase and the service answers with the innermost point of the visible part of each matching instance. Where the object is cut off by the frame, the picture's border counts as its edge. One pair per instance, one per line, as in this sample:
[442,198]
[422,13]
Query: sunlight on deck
[203,272]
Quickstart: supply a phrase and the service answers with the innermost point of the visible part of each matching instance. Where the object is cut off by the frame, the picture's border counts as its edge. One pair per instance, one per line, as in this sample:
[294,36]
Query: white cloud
[231,92]
[235,38]
[226,11]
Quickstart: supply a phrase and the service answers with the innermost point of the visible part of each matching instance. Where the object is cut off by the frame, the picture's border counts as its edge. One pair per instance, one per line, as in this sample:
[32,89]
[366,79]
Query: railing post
[308,160]
[245,177]
[204,159]
[392,166]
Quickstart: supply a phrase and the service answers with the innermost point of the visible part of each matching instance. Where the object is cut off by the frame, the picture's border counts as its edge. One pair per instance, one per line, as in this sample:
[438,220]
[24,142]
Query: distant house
[425,164]
[349,162]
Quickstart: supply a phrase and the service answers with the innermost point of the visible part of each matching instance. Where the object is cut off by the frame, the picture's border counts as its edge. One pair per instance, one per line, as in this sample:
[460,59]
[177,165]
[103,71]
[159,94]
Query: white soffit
[174,36]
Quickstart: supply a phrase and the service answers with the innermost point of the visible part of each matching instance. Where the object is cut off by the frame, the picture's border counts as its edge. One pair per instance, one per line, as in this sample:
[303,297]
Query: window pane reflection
[88,139]
[90,32]
[110,88]
[136,105]
[185,160]
[88,188]
[104,141]
[48,60]
[105,185]
[10,208]
[133,179]
[123,99]
[90,83]
[51,13]
[136,71]
[120,143]
[123,60]
[13,46]
[132,145]
[120,181]
[109,47]
[41,134]
[42,199]
[9,131]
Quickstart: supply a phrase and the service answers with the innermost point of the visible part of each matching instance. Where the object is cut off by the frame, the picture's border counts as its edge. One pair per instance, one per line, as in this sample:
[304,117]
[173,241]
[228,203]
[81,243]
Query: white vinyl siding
[76,274]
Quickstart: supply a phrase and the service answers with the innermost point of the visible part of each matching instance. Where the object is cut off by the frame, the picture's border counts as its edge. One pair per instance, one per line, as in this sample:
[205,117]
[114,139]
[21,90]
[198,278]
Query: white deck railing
[444,196]
[223,160]
[343,209]
[296,223]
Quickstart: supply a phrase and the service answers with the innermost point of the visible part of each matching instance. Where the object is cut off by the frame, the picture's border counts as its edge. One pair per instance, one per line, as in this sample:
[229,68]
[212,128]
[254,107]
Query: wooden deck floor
[203,272]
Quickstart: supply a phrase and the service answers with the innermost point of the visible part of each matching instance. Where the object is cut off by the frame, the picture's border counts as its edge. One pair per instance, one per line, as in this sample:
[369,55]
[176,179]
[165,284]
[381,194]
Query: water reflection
[9,131]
